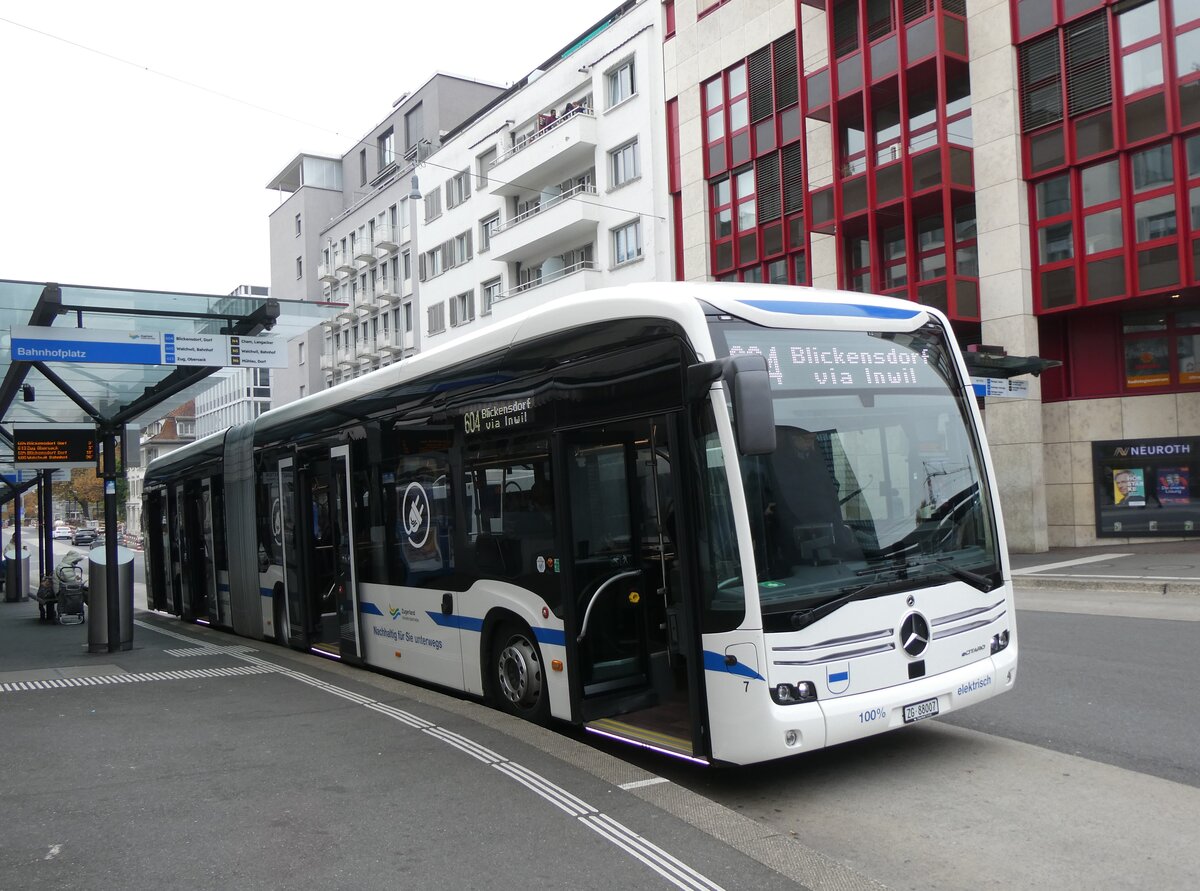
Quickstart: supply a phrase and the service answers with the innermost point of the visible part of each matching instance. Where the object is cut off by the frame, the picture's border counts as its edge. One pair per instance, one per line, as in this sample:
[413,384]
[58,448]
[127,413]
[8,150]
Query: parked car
[63,533]
[84,537]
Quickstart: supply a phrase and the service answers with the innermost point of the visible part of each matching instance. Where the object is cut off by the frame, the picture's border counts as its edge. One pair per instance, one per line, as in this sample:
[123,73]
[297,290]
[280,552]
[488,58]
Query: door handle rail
[596,596]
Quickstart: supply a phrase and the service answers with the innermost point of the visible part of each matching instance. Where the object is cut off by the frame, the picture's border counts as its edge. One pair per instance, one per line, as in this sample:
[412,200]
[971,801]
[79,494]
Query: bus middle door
[632,681]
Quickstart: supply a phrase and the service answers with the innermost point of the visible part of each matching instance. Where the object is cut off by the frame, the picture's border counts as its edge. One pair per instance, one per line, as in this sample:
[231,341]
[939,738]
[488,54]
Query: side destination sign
[31,344]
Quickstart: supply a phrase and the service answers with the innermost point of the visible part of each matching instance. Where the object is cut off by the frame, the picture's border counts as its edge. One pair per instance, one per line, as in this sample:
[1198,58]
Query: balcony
[387,238]
[547,155]
[555,225]
[327,362]
[364,251]
[326,274]
[388,294]
[582,276]
[364,352]
[344,264]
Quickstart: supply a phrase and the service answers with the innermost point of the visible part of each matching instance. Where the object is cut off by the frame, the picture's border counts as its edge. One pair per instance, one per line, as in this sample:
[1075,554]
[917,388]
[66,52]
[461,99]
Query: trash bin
[16,574]
[97,615]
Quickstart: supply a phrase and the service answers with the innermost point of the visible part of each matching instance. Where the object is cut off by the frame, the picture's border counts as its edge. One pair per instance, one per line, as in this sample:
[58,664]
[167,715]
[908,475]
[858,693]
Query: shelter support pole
[111,570]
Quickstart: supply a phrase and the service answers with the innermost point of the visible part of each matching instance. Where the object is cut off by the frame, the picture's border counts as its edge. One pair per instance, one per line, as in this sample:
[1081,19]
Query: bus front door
[633,680]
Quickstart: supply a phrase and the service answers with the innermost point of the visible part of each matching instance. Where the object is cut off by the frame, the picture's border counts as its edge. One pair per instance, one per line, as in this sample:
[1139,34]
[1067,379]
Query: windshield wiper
[974,579]
[898,572]
[805,617]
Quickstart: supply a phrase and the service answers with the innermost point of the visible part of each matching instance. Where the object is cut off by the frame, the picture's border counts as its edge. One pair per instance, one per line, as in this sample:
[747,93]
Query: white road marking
[638,784]
[673,870]
[1082,560]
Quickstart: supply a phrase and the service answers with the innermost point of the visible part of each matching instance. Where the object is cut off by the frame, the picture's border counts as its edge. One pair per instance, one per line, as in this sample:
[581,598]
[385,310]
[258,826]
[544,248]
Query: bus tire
[518,676]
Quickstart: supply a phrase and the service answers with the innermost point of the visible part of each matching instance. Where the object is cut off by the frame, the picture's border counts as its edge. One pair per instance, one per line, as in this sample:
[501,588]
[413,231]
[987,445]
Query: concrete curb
[1162,588]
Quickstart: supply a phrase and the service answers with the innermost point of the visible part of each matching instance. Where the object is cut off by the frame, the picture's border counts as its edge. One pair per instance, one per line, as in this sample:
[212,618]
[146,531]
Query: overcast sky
[137,138]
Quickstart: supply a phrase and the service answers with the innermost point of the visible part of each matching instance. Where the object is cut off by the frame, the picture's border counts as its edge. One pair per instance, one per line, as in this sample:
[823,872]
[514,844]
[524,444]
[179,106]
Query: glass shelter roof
[67,392]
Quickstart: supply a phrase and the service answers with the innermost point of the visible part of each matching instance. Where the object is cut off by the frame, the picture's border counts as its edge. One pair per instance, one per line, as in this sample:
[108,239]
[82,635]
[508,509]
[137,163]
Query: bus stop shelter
[110,377]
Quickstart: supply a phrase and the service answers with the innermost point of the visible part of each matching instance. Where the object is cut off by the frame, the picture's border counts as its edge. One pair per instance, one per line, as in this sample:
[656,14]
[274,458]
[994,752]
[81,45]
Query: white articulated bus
[727,522]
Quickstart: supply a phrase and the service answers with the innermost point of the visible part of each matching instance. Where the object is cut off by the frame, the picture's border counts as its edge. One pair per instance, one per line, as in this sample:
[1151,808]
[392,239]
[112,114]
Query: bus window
[419,518]
[511,522]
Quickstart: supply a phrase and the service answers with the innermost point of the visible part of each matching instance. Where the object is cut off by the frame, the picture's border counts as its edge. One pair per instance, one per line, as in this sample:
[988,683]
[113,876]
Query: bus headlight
[999,642]
[791,694]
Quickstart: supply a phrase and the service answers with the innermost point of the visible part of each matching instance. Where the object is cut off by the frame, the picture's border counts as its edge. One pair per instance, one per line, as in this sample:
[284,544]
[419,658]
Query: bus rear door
[635,677]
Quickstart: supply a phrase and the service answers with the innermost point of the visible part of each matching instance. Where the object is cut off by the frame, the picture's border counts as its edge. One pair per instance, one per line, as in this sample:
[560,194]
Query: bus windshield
[876,484]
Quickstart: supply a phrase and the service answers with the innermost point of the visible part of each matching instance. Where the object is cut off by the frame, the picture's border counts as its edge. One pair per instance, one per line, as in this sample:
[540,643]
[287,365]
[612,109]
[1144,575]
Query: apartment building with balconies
[1024,165]
[550,186]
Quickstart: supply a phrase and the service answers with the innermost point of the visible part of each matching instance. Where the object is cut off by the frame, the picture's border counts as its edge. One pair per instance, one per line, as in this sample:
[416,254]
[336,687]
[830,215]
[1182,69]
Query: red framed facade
[897,97]
[1110,104]
[754,168]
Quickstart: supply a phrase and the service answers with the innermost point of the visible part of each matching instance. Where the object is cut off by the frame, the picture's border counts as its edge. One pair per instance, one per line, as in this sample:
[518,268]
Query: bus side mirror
[750,390]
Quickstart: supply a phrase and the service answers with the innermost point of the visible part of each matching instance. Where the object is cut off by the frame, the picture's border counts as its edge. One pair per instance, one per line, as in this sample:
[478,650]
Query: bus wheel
[517,674]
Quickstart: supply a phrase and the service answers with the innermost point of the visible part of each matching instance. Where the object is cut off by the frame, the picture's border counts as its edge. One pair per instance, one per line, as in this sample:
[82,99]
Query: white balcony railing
[547,279]
[387,238]
[577,191]
[530,138]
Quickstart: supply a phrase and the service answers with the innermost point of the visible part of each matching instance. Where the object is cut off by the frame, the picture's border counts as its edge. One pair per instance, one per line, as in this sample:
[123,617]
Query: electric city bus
[726,522]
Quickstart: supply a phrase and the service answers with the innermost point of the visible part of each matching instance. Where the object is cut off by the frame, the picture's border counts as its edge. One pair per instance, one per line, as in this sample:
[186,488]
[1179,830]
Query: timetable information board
[55,446]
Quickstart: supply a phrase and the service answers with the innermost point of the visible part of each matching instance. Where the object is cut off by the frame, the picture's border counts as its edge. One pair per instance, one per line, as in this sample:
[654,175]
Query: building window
[299,267]
[461,250]
[303,390]
[483,163]
[387,148]
[362,167]
[414,127]
[490,293]
[300,352]
[437,318]
[462,309]
[627,243]
[1161,349]
[623,164]
[433,204]
[458,189]
[297,224]
[487,228]
[621,84]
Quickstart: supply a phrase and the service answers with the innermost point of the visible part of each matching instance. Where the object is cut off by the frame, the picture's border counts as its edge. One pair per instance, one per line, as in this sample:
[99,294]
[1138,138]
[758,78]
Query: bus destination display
[58,446]
[818,360]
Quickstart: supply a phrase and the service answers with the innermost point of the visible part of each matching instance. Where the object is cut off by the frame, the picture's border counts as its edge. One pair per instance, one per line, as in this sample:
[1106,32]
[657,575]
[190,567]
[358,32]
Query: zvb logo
[415,511]
[914,634]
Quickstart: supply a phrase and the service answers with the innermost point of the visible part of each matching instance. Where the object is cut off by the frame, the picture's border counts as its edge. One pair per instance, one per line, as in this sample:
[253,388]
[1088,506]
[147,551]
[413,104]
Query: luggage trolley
[72,591]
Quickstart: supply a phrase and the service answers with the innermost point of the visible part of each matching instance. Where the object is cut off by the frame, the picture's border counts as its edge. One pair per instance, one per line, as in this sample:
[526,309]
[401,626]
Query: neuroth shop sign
[1147,487]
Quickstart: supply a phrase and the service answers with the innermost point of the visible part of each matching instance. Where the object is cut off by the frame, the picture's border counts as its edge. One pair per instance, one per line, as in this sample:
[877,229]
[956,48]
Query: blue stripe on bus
[468,623]
[839,676]
[716,662]
[267,592]
[462,623]
[855,310]
[554,636]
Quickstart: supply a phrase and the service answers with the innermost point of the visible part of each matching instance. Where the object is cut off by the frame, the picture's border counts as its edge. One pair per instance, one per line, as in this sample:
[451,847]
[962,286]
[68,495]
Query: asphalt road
[1114,689]
[1086,776]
